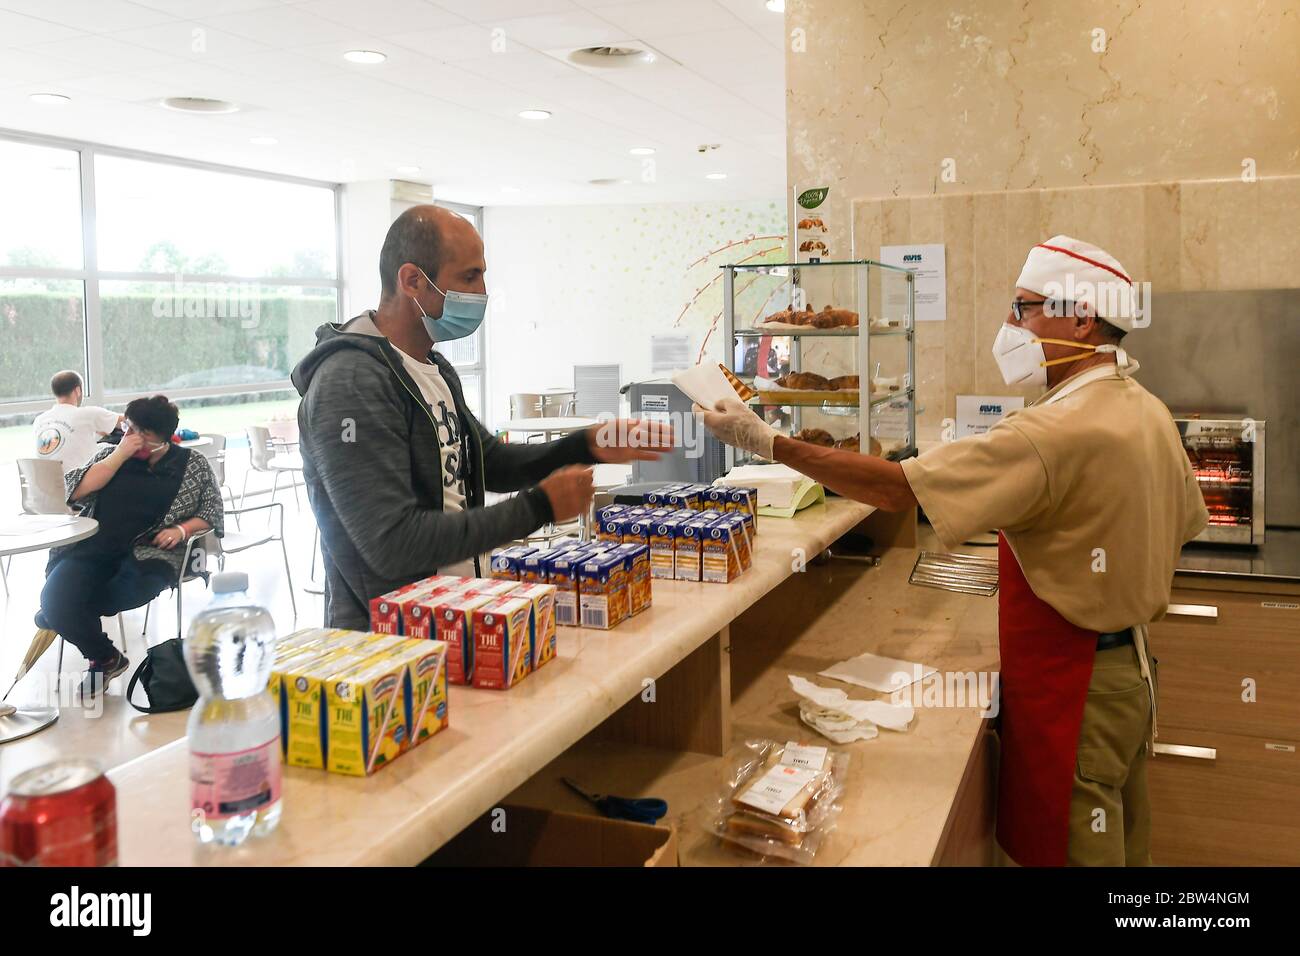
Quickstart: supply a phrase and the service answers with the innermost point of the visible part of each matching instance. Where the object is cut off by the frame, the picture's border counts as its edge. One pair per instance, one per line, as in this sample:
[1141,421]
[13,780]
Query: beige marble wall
[1134,140]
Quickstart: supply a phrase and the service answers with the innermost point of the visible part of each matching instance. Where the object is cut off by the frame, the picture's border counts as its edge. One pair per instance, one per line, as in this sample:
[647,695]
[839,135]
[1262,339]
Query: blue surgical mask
[462,313]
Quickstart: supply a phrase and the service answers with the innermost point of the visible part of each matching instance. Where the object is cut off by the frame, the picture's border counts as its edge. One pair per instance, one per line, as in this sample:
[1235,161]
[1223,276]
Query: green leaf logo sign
[812,198]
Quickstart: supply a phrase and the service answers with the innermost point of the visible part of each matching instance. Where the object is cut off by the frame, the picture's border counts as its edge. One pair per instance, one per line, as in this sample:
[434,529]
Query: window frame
[91,276]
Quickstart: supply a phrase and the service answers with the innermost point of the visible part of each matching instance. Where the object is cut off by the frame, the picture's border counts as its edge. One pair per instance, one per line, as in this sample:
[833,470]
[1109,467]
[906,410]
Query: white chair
[263,458]
[40,483]
[195,565]
[235,543]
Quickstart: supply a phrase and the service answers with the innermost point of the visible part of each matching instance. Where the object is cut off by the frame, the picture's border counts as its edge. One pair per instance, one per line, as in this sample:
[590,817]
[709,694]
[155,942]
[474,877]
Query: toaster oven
[1227,456]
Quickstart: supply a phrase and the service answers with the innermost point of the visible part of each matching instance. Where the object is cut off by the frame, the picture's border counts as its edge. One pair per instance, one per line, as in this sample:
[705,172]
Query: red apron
[1046,667]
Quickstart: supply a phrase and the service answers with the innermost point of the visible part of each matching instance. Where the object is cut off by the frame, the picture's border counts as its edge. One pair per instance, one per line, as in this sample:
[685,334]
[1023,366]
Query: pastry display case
[1227,455]
[829,348]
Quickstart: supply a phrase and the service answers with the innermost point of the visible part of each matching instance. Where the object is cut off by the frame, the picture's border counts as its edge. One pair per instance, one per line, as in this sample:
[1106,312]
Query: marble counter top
[496,740]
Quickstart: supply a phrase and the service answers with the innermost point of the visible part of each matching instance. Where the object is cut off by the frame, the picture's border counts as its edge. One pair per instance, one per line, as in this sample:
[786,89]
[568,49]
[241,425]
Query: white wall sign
[976,414]
[931,278]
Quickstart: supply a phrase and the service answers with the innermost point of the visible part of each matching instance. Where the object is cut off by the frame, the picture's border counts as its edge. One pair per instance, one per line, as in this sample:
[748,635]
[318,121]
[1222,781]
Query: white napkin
[776,484]
[704,384]
[832,713]
[885,674]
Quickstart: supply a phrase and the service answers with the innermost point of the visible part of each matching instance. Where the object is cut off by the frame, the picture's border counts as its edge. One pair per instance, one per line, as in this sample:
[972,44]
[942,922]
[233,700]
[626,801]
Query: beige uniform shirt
[1093,490]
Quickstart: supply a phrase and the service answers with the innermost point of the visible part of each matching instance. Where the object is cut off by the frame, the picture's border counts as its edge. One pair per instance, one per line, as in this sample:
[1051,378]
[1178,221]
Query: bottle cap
[229,582]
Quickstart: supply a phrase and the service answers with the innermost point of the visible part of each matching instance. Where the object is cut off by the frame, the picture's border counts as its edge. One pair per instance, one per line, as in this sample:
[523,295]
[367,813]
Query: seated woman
[149,497]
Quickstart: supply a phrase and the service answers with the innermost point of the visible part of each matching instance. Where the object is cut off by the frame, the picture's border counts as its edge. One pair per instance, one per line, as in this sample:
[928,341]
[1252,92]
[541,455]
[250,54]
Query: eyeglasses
[1052,307]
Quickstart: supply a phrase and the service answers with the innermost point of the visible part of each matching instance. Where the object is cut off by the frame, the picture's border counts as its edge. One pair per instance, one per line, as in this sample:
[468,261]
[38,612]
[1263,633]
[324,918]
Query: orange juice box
[602,590]
[637,565]
[688,549]
[610,527]
[303,724]
[742,538]
[455,627]
[663,544]
[613,509]
[542,626]
[688,498]
[367,720]
[716,497]
[637,531]
[720,553]
[562,571]
[502,643]
[506,562]
[659,497]
[532,568]
[745,501]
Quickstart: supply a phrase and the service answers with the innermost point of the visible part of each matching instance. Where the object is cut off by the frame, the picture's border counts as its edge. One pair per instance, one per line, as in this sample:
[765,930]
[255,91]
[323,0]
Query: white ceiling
[445,100]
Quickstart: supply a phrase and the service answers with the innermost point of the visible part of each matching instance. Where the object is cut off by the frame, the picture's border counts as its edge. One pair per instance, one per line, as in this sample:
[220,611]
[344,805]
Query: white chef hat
[1071,270]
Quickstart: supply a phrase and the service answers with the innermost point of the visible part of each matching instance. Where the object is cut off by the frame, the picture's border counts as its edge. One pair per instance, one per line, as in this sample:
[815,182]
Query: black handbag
[166,680]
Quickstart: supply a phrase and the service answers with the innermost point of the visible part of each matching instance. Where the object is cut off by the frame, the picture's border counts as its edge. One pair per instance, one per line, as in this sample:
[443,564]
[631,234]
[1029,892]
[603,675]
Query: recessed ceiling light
[715,176]
[776,6]
[199,104]
[408,170]
[49,99]
[642,150]
[369,57]
[535,114]
[264,141]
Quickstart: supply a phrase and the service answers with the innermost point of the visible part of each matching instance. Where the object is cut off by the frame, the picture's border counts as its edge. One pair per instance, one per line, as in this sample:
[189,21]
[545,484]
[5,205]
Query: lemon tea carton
[542,629]
[427,666]
[302,712]
[502,643]
[367,713]
[454,626]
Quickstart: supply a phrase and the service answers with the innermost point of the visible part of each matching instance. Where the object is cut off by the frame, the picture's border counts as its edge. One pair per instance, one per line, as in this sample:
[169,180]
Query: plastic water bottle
[234,729]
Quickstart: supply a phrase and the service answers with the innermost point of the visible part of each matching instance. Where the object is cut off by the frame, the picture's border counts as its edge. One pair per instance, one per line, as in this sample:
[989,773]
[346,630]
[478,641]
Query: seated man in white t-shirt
[69,431]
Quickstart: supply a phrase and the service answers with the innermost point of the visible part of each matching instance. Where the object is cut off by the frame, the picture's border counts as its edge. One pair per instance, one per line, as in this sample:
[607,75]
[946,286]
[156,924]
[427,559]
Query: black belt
[1114,639]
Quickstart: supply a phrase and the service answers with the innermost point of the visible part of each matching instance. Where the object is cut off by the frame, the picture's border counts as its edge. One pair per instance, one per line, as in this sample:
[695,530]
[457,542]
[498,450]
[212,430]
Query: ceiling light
[408,170]
[199,104]
[776,6]
[264,141]
[715,176]
[642,150]
[534,114]
[368,57]
[49,99]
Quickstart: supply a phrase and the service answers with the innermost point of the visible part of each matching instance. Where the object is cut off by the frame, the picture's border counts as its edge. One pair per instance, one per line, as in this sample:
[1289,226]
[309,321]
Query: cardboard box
[502,643]
[536,837]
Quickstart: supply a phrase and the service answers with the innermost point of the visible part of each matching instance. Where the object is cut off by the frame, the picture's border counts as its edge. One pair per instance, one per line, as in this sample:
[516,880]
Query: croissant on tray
[829,318]
[804,381]
[845,382]
[849,444]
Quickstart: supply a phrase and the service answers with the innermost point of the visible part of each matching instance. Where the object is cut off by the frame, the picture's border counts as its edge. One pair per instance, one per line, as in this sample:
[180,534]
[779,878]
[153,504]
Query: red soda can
[62,813]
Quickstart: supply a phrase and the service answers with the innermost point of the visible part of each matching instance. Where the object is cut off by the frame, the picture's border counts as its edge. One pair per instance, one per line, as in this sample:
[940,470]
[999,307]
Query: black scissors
[638,810]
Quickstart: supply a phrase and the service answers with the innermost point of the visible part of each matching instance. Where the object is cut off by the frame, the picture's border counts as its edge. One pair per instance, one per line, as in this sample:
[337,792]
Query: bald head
[429,237]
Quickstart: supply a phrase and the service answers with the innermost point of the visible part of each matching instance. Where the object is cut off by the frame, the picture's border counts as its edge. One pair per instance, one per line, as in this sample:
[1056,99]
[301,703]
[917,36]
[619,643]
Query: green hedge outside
[41,333]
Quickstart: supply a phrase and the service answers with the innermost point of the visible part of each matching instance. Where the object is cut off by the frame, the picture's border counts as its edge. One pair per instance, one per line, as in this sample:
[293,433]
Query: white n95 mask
[1022,361]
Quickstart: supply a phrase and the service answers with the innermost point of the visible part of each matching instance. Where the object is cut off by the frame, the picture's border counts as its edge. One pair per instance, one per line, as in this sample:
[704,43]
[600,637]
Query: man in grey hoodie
[396,466]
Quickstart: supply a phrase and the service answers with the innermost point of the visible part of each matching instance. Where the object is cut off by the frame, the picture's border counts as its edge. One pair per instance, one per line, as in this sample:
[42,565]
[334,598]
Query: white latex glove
[735,423]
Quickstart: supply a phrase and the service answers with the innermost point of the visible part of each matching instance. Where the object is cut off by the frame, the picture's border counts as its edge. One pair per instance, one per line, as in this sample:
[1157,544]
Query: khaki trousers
[1110,816]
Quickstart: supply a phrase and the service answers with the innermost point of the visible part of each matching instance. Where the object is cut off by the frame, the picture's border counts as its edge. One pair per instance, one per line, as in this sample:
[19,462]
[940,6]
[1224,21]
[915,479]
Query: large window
[191,280]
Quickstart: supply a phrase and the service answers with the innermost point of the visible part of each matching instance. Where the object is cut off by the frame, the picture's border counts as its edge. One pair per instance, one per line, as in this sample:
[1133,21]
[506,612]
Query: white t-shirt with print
[437,395]
[68,434]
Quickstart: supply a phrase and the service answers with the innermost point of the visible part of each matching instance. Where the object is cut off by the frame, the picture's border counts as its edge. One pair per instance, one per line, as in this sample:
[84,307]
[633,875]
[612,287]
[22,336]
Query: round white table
[195,442]
[19,535]
[548,427]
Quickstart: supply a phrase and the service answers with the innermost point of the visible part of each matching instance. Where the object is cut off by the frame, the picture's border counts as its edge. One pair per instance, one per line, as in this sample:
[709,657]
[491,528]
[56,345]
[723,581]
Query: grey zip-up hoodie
[373,471]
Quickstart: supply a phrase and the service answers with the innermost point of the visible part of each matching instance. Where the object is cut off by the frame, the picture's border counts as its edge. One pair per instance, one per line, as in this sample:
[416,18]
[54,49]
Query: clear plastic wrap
[780,800]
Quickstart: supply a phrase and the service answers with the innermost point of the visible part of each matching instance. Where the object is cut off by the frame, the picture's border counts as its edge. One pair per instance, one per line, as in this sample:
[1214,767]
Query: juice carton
[506,562]
[602,590]
[427,665]
[745,501]
[368,707]
[610,528]
[532,569]
[637,531]
[637,565]
[720,553]
[659,497]
[454,619]
[476,586]
[413,605]
[744,541]
[688,497]
[562,571]
[688,549]
[716,497]
[385,614]
[502,643]
[663,544]
[610,510]
[542,626]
